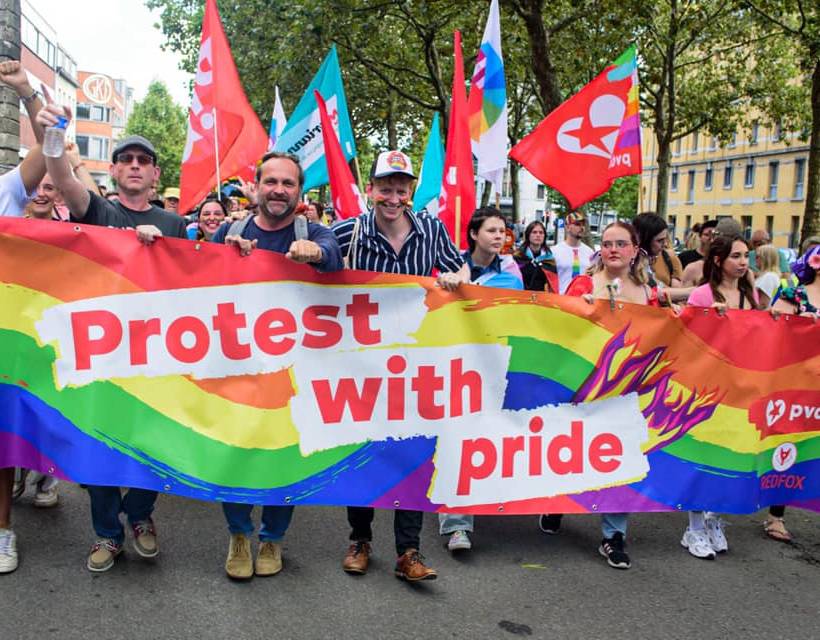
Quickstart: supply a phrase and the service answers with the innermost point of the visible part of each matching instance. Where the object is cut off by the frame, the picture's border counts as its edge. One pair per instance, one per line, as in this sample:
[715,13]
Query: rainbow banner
[184,368]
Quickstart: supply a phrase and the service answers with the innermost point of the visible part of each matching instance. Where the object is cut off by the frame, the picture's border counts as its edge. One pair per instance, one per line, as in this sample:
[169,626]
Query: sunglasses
[142,159]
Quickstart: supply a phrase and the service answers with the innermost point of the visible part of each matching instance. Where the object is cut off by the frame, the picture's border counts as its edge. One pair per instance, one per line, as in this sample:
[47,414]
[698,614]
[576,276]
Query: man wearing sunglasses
[134,169]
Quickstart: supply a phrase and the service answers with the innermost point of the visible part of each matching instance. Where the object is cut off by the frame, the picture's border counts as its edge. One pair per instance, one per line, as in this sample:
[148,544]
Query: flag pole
[216,149]
[458,223]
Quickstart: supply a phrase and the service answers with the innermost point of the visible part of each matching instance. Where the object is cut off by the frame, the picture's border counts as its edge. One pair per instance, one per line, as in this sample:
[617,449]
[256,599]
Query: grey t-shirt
[105,213]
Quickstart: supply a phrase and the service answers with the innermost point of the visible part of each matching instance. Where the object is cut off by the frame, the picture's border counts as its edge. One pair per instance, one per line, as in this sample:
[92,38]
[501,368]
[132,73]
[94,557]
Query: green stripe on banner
[549,361]
[698,452]
[158,437]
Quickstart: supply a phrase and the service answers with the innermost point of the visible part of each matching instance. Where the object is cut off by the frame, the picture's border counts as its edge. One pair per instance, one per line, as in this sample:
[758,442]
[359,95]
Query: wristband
[31,98]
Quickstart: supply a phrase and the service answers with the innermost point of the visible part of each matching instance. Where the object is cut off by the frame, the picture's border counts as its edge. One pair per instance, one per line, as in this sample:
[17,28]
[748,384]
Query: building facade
[758,179]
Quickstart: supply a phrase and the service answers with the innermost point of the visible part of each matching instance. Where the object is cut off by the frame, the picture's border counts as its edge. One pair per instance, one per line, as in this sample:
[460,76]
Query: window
[672,224]
[541,192]
[83,111]
[93,147]
[678,144]
[749,174]
[778,132]
[94,112]
[755,133]
[727,176]
[695,141]
[713,144]
[770,226]
[690,187]
[799,172]
[746,225]
[688,223]
[773,171]
[795,231]
[28,34]
[707,177]
[673,180]
[733,142]
[119,87]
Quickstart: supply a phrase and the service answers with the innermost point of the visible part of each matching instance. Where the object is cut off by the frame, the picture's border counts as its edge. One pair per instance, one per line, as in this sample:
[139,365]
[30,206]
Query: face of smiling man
[278,191]
[390,196]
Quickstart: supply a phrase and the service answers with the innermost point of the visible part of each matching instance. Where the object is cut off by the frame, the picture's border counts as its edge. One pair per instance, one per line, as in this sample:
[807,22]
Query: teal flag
[303,134]
[432,171]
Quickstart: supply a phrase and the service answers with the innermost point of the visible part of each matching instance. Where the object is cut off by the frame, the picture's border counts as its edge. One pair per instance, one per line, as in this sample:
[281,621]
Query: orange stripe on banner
[263,391]
[31,264]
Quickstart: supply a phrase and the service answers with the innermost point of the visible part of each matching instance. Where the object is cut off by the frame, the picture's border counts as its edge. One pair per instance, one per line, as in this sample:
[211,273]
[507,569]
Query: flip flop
[775,528]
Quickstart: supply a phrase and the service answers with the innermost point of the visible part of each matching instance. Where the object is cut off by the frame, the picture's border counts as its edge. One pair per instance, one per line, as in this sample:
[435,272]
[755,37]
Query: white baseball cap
[389,163]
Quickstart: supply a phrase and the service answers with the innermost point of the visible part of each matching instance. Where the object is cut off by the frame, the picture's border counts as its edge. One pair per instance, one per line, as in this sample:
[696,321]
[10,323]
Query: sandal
[775,528]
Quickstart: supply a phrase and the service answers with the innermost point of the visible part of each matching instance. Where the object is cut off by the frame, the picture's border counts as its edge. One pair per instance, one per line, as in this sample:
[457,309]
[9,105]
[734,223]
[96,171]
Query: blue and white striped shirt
[427,246]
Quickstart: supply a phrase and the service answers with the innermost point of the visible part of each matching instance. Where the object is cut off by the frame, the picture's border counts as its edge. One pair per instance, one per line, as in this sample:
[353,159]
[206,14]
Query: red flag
[347,199]
[219,99]
[457,199]
[591,139]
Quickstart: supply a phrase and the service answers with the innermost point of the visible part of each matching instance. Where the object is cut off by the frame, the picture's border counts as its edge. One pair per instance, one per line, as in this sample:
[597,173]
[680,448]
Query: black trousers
[406,525]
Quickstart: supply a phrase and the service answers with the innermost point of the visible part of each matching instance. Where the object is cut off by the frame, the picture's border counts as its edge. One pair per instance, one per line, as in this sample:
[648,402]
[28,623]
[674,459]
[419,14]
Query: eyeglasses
[611,244]
[128,158]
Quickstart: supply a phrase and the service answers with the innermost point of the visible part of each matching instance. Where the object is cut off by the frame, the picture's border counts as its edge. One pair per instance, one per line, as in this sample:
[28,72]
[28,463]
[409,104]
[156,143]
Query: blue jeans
[108,502]
[451,522]
[275,520]
[612,523]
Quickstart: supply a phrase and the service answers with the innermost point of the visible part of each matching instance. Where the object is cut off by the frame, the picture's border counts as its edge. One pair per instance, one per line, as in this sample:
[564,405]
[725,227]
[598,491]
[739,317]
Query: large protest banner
[185,368]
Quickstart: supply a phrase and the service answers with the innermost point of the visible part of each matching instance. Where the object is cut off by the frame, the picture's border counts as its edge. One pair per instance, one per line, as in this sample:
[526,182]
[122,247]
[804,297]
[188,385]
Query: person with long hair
[803,299]
[725,286]
[619,274]
[653,237]
[536,261]
[767,281]
[212,214]
[314,212]
[486,234]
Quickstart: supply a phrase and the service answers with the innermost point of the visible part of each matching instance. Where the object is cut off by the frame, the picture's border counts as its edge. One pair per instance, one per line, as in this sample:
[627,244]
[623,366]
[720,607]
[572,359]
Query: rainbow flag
[628,142]
[184,368]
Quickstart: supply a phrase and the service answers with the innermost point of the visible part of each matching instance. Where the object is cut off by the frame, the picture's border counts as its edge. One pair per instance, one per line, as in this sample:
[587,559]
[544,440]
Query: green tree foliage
[164,123]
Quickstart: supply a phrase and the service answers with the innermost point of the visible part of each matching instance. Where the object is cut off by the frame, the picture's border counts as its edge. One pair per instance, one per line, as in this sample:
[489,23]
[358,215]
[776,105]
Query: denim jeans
[108,502]
[451,522]
[406,526]
[275,520]
[612,523]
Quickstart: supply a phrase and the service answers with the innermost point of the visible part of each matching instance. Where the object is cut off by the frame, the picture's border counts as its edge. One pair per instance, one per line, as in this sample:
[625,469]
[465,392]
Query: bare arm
[13,74]
[75,194]
[33,168]
[80,172]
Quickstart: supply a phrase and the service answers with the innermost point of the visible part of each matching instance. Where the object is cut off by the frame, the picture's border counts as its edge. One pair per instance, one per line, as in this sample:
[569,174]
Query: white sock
[697,520]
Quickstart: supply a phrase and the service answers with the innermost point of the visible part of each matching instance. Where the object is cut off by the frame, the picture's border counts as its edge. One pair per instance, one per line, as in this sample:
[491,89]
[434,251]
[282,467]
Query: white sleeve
[767,283]
[13,196]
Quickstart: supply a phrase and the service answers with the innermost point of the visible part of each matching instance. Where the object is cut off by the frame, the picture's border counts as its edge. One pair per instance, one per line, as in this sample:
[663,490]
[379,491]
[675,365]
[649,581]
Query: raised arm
[13,74]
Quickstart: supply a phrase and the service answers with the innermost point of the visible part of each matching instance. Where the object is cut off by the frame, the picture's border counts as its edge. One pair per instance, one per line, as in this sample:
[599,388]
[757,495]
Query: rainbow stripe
[233,438]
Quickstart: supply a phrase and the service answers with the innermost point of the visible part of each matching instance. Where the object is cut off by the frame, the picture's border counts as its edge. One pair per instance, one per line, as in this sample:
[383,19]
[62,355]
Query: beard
[278,217]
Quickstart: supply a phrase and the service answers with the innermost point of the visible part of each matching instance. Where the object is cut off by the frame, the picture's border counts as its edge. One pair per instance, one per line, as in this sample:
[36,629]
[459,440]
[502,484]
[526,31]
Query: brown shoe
[358,555]
[410,567]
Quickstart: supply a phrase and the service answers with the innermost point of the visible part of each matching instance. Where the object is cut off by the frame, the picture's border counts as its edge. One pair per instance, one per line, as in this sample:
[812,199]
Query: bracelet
[31,98]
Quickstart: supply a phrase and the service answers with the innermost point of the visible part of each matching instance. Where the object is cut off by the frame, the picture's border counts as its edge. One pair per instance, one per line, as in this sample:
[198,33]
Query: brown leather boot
[410,567]
[357,558]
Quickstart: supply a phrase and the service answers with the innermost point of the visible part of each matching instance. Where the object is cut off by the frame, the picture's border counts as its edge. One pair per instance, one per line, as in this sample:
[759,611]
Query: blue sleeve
[331,254]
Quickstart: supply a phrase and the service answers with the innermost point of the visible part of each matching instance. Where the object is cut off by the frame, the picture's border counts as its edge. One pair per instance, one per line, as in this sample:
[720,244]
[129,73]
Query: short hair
[281,155]
[708,224]
[479,217]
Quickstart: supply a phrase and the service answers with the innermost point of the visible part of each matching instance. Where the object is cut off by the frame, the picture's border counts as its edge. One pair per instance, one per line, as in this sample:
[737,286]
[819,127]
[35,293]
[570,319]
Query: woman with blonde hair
[768,273]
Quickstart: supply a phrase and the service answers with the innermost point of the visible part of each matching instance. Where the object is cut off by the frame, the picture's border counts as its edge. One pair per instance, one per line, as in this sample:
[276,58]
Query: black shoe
[613,550]
[550,523]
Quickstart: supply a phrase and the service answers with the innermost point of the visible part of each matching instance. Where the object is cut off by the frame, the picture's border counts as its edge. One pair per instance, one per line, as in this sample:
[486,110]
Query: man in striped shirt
[390,238]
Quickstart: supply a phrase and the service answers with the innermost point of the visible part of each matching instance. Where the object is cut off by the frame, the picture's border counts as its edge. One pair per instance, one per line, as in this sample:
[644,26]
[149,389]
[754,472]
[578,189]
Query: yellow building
[758,179]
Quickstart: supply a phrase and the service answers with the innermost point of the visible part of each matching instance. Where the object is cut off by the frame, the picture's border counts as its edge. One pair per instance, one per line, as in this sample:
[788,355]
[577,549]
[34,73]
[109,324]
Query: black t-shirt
[689,256]
[105,213]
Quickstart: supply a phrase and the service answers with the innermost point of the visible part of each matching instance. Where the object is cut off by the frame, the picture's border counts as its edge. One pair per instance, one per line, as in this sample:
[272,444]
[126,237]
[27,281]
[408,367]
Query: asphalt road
[517,582]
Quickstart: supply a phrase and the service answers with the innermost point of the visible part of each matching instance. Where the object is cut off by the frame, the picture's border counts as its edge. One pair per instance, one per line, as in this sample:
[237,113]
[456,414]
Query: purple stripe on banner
[629,139]
[24,454]
[615,499]
[412,490]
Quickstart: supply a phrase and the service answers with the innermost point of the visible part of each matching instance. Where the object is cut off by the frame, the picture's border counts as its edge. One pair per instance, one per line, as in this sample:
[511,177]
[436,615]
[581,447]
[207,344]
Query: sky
[118,38]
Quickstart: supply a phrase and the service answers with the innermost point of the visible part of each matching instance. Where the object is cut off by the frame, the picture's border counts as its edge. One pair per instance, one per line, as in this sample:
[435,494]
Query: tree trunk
[9,101]
[392,129]
[664,157]
[531,11]
[811,217]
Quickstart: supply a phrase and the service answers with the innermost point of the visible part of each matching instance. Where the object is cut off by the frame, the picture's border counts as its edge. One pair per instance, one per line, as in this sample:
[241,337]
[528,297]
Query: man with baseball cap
[171,198]
[390,238]
[134,169]
[572,255]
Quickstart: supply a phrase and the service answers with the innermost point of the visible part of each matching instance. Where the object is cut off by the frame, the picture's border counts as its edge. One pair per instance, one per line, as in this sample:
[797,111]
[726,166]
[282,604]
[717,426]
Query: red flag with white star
[347,199]
[591,139]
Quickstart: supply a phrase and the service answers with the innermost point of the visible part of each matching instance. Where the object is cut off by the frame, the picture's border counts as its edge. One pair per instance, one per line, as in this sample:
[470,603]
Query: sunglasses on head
[128,158]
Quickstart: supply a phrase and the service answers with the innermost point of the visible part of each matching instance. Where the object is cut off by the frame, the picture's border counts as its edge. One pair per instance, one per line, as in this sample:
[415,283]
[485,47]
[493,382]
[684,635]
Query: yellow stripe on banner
[493,324]
[175,396]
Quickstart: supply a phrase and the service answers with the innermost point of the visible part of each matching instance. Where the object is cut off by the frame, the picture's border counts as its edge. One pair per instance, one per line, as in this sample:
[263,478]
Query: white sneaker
[8,551]
[697,542]
[459,541]
[46,497]
[714,529]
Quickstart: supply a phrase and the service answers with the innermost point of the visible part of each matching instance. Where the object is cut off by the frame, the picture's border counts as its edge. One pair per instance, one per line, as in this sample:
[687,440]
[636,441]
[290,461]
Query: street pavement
[516,583]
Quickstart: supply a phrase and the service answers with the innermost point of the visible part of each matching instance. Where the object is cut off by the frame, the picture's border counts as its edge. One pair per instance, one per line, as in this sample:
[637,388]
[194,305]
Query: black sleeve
[102,213]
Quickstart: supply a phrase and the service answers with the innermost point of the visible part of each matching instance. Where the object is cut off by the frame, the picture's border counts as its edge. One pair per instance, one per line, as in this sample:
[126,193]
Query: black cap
[134,141]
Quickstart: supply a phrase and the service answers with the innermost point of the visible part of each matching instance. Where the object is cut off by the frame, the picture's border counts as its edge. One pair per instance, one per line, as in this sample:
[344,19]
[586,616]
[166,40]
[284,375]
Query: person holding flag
[391,238]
